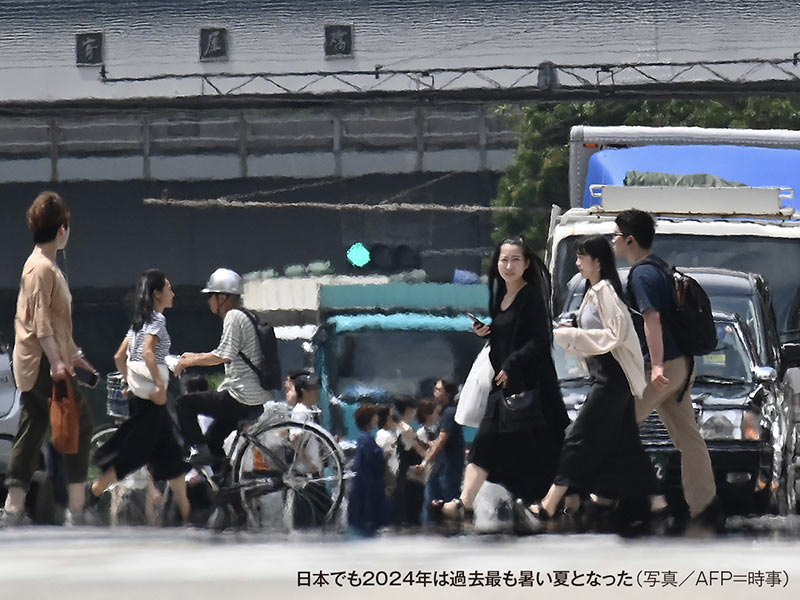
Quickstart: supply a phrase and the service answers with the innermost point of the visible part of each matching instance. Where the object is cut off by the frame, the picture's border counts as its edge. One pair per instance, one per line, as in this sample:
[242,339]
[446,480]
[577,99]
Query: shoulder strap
[249,315]
[242,355]
[650,259]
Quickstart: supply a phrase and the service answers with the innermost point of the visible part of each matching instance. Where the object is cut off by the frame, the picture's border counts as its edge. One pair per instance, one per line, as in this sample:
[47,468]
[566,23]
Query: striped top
[156,326]
[241,382]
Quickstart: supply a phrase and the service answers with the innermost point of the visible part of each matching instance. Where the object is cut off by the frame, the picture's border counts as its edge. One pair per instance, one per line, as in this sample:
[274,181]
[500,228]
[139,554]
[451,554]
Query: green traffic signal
[358,255]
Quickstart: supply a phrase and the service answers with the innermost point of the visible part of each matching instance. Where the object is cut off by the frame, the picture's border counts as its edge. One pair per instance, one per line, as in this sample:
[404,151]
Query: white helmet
[224,281]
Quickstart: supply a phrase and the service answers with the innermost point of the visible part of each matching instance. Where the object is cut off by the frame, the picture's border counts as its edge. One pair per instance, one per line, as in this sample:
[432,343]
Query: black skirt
[602,452]
[522,460]
[149,438]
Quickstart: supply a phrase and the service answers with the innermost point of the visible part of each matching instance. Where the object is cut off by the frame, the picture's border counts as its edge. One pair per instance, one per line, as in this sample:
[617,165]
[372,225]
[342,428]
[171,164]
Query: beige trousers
[697,477]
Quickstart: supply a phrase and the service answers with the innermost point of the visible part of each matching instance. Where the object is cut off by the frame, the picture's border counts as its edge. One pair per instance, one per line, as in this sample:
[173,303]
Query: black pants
[226,412]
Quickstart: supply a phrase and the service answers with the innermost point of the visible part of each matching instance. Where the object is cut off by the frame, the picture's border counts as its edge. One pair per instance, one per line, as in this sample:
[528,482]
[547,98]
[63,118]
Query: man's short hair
[639,224]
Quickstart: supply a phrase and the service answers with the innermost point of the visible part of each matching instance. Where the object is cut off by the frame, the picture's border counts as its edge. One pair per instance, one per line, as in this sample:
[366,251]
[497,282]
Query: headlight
[730,425]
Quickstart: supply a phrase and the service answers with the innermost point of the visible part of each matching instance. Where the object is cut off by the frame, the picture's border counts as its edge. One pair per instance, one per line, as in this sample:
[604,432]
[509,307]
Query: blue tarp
[753,166]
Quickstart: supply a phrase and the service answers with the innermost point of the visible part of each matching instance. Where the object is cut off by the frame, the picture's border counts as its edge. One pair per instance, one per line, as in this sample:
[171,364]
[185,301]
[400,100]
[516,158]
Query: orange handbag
[65,416]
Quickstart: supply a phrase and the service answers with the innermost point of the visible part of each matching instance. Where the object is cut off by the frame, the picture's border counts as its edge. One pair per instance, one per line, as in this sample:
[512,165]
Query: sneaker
[12,519]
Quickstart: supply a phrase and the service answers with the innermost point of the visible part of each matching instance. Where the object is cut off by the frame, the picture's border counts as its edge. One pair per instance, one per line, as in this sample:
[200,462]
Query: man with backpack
[240,396]
[669,368]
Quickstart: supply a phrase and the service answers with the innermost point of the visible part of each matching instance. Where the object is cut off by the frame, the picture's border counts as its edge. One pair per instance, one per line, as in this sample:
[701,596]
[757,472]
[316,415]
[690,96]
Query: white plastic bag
[475,393]
[140,381]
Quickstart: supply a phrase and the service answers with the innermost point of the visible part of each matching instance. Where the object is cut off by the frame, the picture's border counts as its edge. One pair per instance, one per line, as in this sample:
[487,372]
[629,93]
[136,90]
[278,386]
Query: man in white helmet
[240,395]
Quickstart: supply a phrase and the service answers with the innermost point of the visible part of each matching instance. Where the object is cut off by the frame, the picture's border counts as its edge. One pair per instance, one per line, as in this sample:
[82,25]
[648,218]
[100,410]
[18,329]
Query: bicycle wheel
[290,474]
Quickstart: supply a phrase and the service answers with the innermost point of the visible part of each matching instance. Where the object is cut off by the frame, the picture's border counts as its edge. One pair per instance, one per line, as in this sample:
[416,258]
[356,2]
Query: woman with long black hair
[148,437]
[602,453]
[516,448]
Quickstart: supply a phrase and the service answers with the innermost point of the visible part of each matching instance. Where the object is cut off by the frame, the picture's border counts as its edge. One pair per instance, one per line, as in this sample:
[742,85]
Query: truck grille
[653,431]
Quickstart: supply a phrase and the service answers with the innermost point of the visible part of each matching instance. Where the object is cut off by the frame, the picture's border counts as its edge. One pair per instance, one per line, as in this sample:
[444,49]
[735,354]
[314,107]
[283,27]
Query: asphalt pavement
[759,557]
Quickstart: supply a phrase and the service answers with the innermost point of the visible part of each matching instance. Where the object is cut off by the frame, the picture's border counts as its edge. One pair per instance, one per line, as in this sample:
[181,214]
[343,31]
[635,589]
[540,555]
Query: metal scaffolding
[546,80]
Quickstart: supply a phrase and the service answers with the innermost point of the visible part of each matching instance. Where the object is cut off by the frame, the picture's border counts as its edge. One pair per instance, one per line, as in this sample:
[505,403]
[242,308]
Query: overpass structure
[327,140]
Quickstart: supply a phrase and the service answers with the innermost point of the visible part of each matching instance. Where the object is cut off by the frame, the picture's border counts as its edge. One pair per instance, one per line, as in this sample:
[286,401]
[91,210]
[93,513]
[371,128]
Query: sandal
[527,521]
[463,514]
[573,519]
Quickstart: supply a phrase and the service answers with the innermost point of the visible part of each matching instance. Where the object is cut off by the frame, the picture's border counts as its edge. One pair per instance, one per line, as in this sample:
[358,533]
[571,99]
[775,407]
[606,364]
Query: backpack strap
[650,259]
[659,262]
[242,355]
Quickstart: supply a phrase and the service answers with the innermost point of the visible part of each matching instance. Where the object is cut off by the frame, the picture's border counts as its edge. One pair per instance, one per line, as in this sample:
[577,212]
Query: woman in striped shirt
[148,437]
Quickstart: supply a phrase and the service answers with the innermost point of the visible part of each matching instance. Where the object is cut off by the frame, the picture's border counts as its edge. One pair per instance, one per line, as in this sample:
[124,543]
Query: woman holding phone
[516,449]
[148,437]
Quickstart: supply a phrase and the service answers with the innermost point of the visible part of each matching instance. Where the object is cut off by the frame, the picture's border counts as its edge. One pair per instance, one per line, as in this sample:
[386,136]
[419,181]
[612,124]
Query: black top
[452,455]
[520,344]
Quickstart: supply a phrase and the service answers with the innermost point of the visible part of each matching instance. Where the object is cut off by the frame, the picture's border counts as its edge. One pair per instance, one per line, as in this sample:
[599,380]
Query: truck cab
[368,338]
[379,341]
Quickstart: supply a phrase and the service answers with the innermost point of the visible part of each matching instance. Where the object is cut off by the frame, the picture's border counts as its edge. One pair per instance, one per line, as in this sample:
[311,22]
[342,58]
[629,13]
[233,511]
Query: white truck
[749,225]
[745,228]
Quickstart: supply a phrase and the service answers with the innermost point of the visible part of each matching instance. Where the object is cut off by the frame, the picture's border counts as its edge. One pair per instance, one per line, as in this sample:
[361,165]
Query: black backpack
[269,369]
[691,323]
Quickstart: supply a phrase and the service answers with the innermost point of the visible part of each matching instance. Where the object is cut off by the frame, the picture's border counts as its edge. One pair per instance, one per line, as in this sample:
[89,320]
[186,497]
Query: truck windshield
[379,364]
[778,260]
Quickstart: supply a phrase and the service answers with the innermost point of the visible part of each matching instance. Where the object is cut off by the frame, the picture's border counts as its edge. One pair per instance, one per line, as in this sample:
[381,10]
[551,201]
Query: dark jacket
[521,345]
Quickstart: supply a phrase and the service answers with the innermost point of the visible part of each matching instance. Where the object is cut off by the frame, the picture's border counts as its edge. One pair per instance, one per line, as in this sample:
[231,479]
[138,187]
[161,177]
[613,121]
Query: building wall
[151,37]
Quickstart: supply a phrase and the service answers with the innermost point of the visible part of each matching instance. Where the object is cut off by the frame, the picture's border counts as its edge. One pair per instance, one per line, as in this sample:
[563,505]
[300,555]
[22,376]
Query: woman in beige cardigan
[602,452]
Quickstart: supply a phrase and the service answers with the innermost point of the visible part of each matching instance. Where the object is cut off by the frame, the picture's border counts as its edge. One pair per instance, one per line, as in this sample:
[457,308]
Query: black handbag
[515,402]
[521,401]
[515,412]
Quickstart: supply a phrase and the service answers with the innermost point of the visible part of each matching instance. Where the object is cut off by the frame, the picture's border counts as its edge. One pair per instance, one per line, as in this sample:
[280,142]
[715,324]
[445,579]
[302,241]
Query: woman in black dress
[602,452]
[518,449]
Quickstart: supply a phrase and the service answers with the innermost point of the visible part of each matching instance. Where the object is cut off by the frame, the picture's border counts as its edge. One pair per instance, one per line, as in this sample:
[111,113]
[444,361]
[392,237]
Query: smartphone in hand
[476,320]
[87,378]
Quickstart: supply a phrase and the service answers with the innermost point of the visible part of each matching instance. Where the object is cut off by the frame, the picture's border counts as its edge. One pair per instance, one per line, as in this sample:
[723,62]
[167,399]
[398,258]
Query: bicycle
[275,466]
[283,467]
